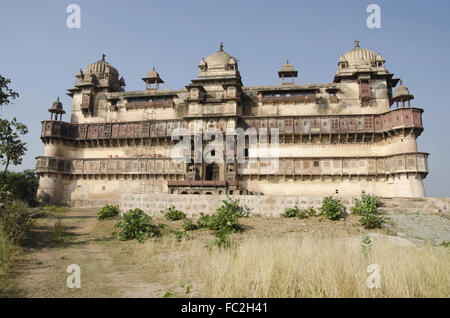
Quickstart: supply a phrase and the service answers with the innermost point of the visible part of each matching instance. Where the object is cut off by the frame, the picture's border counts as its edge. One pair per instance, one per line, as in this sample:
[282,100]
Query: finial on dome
[221,47]
[401,83]
[287,61]
[103,57]
[356,43]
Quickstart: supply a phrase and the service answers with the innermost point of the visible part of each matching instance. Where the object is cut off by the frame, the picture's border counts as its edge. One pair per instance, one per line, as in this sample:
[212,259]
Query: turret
[287,71]
[153,80]
[57,109]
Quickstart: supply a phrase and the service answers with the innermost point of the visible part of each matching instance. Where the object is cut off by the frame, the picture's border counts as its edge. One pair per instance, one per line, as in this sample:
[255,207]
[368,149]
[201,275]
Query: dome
[202,62]
[57,107]
[219,59]
[379,58]
[153,74]
[359,56]
[101,67]
[402,90]
[287,67]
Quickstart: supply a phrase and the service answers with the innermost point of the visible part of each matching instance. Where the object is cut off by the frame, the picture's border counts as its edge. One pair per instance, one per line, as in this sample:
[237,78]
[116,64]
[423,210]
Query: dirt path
[40,270]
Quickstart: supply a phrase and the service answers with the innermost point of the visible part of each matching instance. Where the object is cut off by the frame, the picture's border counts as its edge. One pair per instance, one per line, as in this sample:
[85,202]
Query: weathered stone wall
[265,205]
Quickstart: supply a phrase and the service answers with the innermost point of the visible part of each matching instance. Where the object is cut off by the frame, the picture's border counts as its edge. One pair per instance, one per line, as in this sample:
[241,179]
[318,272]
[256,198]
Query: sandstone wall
[265,205]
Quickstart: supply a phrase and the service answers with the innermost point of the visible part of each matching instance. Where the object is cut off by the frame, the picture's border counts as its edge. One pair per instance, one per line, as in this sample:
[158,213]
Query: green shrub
[135,224]
[306,213]
[108,211]
[290,212]
[299,213]
[332,208]
[226,217]
[22,185]
[15,221]
[203,221]
[367,208]
[311,211]
[371,221]
[172,214]
[188,225]
[368,204]
[224,222]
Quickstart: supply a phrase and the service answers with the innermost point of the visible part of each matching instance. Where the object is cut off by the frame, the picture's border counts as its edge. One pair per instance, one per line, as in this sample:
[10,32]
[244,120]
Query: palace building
[351,135]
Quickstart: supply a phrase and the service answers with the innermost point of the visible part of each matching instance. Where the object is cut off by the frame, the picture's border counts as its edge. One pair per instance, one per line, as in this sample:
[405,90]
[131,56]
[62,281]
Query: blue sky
[41,54]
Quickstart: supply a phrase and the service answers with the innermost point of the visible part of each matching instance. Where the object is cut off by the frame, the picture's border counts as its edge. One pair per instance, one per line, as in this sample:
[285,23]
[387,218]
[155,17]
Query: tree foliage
[6,94]
[12,148]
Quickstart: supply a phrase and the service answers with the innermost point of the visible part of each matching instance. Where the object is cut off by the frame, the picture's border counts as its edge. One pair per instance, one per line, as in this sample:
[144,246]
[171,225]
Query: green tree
[12,148]
[6,94]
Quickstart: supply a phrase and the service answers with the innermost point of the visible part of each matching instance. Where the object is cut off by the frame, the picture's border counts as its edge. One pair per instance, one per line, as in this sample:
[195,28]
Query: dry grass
[273,257]
[296,266]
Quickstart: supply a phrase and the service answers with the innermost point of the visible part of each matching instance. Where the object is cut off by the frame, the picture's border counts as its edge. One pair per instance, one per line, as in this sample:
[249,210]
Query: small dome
[342,59]
[57,107]
[233,61]
[101,67]
[379,58]
[402,90]
[359,56]
[202,62]
[153,74]
[287,67]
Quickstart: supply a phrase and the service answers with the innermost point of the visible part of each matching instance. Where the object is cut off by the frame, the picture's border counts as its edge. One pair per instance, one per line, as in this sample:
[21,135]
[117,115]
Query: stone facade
[342,137]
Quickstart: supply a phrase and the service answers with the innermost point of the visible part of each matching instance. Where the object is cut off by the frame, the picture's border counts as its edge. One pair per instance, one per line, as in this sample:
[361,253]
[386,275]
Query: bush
[14,221]
[135,224]
[299,213]
[332,208]
[290,212]
[22,185]
[223,222]
[108,211]
[172,214]
[203,221]
[371,221]
[226,217]
[306,213]
[367,208]
[188,225]
[367,205]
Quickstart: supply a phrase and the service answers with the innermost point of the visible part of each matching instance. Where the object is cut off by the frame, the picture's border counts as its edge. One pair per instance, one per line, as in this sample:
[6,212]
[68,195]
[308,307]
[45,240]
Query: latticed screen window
[364,90]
